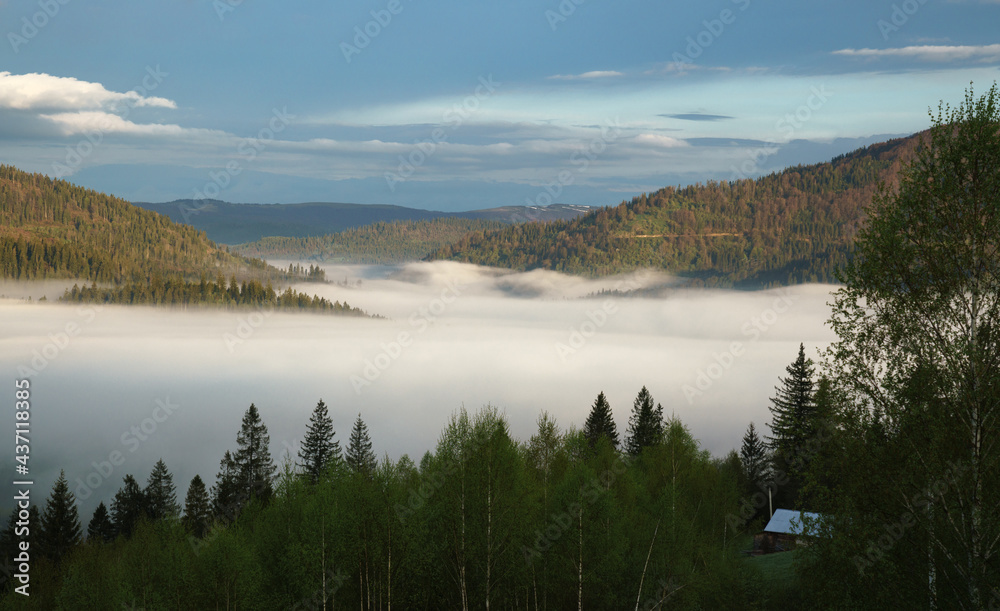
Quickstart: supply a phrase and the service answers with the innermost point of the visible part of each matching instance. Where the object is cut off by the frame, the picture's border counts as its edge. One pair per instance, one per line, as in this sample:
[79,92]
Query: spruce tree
[753,455]
[227,493]
[100,529]
[792,406]
[645,425]
[128,507]
[319,450]
[792,424]
[253,458]
[60,527]
[197,509]
[161,494]
[600,423]
[360,457]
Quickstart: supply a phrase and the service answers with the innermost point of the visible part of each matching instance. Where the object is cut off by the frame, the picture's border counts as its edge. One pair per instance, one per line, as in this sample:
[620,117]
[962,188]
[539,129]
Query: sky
[454,335]
[458,105]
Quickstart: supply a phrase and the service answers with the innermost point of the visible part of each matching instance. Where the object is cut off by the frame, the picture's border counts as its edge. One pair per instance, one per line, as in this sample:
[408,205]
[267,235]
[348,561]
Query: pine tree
[360,457]
[197,509]
[100,529]
[128,507]
[600,423]
[60,527]
[161,494]
[645,425]
[319,450]
[253,458]
[753,455]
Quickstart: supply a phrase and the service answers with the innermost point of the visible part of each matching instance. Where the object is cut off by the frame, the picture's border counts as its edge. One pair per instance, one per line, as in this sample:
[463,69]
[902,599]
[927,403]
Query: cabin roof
[788,522]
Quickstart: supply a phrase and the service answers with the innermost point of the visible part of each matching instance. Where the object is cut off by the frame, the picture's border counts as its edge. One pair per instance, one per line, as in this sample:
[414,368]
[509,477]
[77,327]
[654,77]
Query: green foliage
[790,227]
[482,521]
[128,508]
[600,422]
[161,494]
[319,451]
[101,529]
[197,509]
[254,468]
[793,425]
[913,478]
[645,425]
[60,522]
[360,457]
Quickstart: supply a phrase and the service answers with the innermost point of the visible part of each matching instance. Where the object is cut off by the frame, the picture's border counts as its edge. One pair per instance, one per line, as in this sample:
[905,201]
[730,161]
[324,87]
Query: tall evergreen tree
[161,494]
[197,508]
[319,450]
[60,527]
[753,456]
[128,507]
[253,458]
[793,424]
[100,529]
[360,457]
[600,423]
[227,493]
[645,425]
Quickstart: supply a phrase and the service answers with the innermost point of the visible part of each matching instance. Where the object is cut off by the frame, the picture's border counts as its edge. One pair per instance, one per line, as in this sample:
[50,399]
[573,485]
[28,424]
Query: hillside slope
[53,229]
[794,226]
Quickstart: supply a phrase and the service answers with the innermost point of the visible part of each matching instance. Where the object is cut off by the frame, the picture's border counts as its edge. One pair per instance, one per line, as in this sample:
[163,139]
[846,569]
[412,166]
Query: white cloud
[45,92]
[931,53]
[587,75]
[659,141]
[72,123]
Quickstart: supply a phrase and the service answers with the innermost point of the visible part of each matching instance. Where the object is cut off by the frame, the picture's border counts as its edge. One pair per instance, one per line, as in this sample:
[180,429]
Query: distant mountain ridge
[228,223]
[793,226]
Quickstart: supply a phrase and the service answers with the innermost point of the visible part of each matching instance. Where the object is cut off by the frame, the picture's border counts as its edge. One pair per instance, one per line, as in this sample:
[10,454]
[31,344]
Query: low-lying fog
[454,335]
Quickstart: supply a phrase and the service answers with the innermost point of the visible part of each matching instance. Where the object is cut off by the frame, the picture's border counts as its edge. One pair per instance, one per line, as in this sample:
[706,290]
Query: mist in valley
[130,385]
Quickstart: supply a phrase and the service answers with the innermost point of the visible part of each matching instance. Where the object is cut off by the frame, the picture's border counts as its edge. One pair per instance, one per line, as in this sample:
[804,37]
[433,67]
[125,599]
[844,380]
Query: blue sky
[468,104]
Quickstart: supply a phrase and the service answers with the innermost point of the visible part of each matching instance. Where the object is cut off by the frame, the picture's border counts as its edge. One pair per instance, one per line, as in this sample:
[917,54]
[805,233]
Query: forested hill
[53,229]
[794,226]
[378,243]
